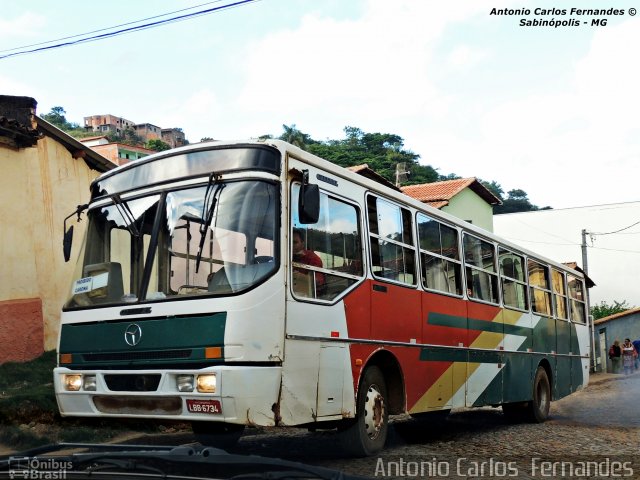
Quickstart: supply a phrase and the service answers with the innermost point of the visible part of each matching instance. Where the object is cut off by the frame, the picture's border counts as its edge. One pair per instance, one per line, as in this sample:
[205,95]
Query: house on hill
[466,198]
[118,153]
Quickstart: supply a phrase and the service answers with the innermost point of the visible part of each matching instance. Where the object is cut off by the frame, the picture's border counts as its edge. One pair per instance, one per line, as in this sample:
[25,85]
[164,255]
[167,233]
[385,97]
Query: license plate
[204,406]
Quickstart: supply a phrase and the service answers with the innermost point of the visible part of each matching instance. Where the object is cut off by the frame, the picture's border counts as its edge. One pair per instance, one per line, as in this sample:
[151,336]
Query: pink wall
[21,330]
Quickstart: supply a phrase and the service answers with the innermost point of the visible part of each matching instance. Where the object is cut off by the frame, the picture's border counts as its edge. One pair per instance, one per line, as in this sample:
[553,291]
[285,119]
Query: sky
[550,110]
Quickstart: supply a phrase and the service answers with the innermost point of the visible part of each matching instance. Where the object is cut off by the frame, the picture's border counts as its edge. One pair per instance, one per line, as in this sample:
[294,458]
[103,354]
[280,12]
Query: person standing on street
[628,356]
[615,353]
[636,344]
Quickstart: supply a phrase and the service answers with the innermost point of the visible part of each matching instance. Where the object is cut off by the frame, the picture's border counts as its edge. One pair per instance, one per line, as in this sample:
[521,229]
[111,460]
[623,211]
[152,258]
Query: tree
[604,309]
[57,117]
[295,137]
[494,187]
[157,145]
[516,201]
[381,151]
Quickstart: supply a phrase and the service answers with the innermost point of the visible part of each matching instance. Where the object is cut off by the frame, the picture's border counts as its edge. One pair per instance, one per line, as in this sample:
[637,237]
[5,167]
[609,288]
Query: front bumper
[246,395]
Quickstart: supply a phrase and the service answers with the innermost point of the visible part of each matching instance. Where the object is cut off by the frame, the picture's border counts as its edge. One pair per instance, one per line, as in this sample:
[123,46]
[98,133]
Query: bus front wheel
[367,434]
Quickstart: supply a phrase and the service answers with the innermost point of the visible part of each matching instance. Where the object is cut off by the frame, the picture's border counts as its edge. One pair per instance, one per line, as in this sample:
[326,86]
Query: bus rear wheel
[367,434]
[538,407]
[216,434]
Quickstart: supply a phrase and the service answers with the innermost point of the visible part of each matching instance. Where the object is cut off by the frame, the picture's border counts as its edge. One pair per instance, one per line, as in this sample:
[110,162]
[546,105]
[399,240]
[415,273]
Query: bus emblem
[133,334]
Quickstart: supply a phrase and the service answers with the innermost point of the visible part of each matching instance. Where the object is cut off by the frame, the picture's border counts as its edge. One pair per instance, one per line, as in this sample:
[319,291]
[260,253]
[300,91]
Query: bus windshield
[216,239]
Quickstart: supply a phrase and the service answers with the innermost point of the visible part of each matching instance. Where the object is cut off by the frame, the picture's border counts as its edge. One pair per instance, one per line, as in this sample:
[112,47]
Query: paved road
[600,424]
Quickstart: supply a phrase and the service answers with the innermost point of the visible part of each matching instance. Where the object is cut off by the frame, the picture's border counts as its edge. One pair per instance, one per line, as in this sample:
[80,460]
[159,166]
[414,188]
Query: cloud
[379,66]
[26,25]
[9,86]
[464,57]
[565,143]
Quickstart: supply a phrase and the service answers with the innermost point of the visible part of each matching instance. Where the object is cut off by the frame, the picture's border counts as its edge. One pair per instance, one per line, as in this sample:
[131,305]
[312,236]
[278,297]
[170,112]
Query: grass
[29,414]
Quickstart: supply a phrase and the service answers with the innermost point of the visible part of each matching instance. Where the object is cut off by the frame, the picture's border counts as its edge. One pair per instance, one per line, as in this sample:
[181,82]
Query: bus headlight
[89,383]
[184,383]
[207,383]
[72,383]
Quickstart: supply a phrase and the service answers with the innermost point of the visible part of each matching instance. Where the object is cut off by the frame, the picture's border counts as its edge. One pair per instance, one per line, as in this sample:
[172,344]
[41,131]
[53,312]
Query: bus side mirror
[309,203]
[66,243]
[67,239]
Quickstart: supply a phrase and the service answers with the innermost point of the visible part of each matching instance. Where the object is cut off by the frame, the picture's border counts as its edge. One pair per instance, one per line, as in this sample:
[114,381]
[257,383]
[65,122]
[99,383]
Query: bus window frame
[525,282]
[547,268]
[585,316]
[289,255]
[565,296]
[370,235]
[466,265]
[458,261]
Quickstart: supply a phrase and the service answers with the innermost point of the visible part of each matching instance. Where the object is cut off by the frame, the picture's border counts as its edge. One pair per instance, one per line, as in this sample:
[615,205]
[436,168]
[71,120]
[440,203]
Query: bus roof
[346,174]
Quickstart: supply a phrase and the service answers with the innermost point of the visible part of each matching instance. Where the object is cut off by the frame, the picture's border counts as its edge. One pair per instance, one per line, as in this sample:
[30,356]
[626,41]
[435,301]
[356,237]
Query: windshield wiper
[210,199]
[152,461]
[127,216]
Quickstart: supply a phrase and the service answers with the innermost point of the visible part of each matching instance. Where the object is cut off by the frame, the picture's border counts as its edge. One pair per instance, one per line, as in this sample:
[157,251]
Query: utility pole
[585,268]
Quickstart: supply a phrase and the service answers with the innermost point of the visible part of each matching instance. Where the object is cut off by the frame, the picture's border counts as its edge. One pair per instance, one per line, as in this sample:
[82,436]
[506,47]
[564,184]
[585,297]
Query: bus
[235,284]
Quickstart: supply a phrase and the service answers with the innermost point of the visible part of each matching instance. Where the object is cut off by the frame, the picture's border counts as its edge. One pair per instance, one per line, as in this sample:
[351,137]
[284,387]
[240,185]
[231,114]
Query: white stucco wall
[613,260]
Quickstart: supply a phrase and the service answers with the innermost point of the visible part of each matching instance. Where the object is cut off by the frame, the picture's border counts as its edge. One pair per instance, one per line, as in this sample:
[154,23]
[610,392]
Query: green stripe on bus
[440,319]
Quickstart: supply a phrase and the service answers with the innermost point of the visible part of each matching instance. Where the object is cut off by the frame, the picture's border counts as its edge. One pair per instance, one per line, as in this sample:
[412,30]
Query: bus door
[395,299]
[562,384]
[517,322]
[445,311]
[485,323]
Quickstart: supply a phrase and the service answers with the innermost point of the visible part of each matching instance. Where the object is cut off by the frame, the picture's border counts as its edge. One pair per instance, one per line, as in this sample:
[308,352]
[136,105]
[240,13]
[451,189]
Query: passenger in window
[306,257]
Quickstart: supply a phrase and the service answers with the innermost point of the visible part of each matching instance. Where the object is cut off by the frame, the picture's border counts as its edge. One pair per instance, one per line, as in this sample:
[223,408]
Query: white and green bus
[254,284]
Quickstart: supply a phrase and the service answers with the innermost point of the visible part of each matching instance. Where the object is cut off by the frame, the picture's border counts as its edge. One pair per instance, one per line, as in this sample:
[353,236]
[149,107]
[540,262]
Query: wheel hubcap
[374,412]
[543,398]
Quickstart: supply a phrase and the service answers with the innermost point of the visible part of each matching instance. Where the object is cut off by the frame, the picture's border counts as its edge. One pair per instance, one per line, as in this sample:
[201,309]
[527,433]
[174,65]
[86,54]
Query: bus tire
[217,434]
[538,407]
[367,434]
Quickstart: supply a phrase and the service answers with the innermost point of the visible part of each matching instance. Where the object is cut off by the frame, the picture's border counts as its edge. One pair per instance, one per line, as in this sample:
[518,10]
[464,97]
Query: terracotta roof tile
[438,190]
[445,191]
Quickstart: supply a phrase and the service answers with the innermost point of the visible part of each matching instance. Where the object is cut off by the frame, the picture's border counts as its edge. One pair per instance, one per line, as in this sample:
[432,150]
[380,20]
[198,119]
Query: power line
[616,231]
[158,23]
[108,28]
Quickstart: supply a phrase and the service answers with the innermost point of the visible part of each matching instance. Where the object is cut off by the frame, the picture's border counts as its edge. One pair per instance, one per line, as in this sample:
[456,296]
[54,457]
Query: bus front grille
[127,356]
[132,383]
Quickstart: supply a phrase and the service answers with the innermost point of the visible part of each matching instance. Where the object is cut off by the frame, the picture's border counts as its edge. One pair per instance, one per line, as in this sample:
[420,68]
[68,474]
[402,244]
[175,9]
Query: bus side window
[326,257]
[576,299]
[480,265]
[540,288]
[513,279]
[391,237]
[439,256]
